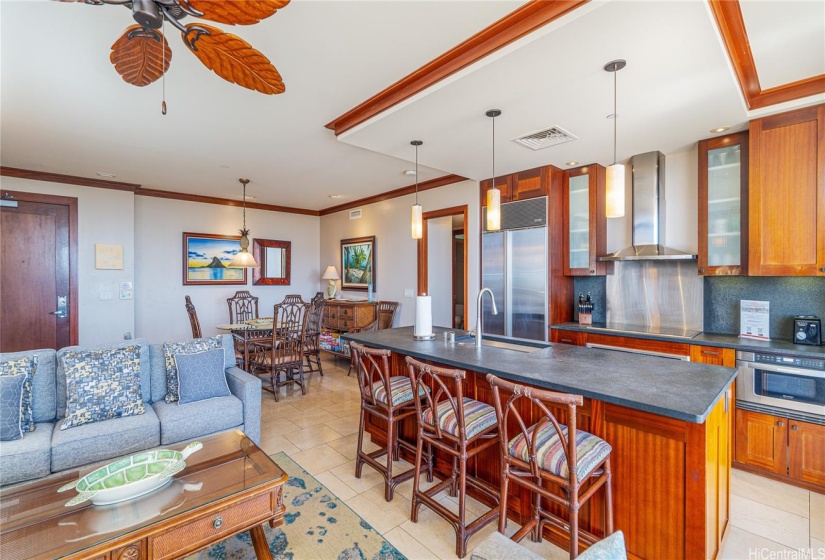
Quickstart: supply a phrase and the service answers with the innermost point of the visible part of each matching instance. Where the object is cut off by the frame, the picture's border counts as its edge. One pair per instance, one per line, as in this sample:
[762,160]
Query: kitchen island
[669,423]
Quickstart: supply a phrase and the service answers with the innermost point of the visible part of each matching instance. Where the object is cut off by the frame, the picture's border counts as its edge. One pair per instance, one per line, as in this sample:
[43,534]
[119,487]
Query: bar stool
[549,454]
[375,383]
[460,427]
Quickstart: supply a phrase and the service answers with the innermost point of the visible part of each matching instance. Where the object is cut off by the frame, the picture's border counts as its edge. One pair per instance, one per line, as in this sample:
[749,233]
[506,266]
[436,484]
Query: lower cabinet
[789,450]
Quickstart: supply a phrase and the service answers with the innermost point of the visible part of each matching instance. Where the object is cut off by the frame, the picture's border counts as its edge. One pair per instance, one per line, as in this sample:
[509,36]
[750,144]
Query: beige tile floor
[319,431]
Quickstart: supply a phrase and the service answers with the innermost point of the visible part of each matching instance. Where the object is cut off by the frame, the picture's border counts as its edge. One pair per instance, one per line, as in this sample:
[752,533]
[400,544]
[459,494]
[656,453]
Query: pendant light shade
[244,258]
[614,187]
[417,216]
[494,195]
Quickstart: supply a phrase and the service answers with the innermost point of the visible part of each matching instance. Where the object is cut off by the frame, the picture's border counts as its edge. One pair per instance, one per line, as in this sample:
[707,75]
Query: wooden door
[787,194]
[762,440]
[38,255]
[807,452]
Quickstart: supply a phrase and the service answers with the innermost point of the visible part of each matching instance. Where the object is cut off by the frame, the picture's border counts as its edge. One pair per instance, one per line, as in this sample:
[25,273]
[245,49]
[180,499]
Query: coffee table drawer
[212,528]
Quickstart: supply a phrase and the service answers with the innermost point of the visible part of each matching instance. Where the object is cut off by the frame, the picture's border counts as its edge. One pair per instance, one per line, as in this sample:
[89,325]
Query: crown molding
[67,179]
[403,191]
[224,201]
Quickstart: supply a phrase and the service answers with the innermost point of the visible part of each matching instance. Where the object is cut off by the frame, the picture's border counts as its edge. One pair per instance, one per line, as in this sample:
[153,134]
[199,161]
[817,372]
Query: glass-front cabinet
[585,234]
[723,180]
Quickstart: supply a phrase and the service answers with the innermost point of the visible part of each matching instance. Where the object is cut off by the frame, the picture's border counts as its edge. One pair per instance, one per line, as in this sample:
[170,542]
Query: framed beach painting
[206,259]
[358,263]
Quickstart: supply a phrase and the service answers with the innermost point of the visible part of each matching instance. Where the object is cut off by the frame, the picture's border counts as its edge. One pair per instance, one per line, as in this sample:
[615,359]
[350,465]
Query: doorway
[442,265]
[38,271]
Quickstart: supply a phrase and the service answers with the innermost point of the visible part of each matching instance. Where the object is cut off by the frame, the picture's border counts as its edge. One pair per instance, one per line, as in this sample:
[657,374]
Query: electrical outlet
[125,294]
[409,292]
[106,295]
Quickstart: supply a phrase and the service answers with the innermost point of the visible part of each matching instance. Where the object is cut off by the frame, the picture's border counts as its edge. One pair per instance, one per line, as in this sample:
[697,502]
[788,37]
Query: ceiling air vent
[545,138]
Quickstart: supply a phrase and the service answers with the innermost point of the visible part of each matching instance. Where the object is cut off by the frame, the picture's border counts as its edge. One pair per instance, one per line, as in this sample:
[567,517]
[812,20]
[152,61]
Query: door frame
[71,202]
[423,246]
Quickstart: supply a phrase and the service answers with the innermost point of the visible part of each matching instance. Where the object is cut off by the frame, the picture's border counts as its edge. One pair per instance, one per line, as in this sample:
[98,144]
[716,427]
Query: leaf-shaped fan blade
[241,12]
[140,60]
[233,59]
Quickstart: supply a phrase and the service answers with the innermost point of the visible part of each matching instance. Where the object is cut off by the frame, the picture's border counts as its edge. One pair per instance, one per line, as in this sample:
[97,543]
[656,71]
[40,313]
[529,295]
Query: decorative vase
[331,289]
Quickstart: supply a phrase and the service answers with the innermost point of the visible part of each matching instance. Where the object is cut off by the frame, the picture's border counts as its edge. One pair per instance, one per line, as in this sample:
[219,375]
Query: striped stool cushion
[477,417]
[590,451]
[400,389]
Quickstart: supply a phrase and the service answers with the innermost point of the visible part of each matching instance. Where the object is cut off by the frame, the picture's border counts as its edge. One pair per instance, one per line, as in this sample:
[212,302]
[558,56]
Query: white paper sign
[754,319]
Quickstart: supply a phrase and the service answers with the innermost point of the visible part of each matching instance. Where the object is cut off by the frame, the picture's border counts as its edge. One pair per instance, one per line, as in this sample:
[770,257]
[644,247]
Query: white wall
[396,257]
[439,272]
[104,216]
[159,227]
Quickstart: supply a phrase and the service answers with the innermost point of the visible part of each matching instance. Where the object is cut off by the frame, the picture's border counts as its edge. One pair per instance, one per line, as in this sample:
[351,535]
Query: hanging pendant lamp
[244,259]
[417,219]
[494,195]
[614,188]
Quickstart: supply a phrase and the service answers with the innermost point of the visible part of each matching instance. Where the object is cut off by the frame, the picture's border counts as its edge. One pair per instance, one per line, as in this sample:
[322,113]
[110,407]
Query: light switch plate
[125,294]
[125,285]
[106,295]
[409,292]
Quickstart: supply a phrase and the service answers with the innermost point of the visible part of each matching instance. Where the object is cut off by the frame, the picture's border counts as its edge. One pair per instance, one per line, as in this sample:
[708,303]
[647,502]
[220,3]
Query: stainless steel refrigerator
[514,267]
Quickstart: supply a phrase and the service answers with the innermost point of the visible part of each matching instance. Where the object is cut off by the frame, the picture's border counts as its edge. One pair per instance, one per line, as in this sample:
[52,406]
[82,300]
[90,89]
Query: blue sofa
[49,449]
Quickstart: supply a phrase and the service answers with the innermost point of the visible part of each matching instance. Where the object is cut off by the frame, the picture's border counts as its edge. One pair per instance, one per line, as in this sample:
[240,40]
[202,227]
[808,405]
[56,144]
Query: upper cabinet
[518,186]
[723,207]
[585,228]
[787,194]
[504,184]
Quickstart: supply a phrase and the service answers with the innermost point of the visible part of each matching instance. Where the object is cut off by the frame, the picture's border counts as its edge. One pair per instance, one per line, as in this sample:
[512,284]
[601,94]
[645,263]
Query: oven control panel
[807,363]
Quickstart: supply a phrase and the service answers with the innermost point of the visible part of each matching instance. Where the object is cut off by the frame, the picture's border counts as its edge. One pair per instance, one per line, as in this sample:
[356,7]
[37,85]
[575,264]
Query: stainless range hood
[648,214]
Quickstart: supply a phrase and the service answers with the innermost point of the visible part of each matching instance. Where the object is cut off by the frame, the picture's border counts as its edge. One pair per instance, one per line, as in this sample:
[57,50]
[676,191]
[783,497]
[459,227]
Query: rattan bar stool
[547,455]
[461,428]
[375,383]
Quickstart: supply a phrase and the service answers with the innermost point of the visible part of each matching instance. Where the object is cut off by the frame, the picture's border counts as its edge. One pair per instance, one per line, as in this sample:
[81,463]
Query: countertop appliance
[807,329]
[791,382]
[514,267]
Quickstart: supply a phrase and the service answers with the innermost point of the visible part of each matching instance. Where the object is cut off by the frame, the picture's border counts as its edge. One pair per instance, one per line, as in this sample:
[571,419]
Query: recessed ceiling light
[410,172]
[720,129]
[107,175]
[572,163]
[249,197]
[336,196]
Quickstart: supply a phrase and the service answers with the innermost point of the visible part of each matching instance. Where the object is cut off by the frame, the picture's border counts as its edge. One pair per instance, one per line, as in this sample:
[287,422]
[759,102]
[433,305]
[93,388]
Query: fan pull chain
[163,48]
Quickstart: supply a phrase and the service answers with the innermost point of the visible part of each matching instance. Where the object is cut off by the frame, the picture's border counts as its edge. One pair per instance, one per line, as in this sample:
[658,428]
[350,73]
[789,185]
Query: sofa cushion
[12,388]
[145,370]
[170,349]
[44,390]
[101,385]
[201,376]
[187,421]
[99,441]
[158,364]
[27,458]
[25,366]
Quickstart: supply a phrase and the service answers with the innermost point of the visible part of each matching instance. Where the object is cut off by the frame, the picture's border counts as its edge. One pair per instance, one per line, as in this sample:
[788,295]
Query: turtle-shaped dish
[130,477]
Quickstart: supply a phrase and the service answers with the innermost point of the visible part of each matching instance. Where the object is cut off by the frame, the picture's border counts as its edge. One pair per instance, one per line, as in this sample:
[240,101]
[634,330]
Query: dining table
[251,330]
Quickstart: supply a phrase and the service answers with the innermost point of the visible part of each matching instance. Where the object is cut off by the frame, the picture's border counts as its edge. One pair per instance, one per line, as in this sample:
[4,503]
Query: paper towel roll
[423,316]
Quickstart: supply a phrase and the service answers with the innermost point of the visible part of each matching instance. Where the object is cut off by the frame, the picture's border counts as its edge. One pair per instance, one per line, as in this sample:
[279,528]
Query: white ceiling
[65,109]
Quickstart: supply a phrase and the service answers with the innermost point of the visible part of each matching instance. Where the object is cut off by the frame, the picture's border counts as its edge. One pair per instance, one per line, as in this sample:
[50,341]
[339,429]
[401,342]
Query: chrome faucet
[478,312]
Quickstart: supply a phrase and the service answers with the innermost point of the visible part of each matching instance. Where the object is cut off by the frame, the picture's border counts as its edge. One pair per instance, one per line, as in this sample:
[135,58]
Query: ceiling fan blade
[233,59]
[241,12]
[138,55]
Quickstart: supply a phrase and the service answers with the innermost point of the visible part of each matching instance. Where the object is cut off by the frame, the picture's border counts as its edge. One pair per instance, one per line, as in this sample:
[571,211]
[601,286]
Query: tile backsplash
[597,287]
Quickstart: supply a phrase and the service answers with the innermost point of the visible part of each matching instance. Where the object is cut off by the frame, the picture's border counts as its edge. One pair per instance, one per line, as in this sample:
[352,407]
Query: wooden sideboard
[345,316]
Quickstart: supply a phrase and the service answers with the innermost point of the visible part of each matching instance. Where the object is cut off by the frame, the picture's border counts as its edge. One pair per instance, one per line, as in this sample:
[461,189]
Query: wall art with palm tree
[358,263]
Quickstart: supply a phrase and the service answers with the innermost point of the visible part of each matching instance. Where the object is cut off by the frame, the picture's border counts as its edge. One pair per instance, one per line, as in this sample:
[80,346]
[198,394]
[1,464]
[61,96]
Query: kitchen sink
[469,340]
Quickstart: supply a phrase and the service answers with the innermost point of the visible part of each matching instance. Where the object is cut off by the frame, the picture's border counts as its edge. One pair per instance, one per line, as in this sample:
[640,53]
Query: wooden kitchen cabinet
[584,223]
[806,449]
[786,206]
[712,355]
[575,338]
[723,205]
[531,183]
[504,184]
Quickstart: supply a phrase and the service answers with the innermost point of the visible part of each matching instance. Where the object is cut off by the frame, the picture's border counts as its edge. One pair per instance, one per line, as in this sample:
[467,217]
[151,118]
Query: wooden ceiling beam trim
[67,179]
[515,25]
[731,25]
[224,201]
[403,191]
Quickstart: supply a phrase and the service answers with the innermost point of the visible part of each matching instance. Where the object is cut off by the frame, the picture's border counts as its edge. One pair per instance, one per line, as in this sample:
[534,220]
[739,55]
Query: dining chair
[283,354]
[243,306]
[293,298]
[312,347]
[193,318]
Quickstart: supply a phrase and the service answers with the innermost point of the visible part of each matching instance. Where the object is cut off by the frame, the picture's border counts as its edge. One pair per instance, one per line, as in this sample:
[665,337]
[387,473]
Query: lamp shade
[493,209]
[244,259]
[417,221]
[614,191]
[331,273]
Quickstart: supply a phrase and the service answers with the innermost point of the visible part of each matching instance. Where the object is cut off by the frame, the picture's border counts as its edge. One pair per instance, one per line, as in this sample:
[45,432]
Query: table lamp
[331,274]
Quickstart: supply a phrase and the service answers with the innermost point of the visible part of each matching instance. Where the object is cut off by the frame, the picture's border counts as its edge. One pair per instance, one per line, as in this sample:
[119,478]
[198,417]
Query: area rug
[317,526]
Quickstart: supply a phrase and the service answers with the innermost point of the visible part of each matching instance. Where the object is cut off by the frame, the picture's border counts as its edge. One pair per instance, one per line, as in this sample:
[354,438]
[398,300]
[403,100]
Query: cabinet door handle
[701,271]
[592,271]
[218,522]
[710,353]
[780,424]
[568,340]
[822,269]
[794,427]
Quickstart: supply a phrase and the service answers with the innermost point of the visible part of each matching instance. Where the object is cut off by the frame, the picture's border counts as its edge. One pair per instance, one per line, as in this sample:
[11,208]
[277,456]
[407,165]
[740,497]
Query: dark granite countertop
[676,389]
[779,346]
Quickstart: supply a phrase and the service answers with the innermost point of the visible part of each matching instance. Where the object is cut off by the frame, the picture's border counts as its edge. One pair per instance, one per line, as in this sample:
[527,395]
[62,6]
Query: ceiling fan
[141,55]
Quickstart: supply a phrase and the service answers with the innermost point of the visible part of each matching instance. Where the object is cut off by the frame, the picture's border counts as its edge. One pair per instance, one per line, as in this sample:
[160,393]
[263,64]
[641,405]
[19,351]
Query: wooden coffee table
[228,487]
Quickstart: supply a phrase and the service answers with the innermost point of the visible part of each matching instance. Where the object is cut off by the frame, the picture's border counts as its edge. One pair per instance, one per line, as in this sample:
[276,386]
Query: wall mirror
[275,258]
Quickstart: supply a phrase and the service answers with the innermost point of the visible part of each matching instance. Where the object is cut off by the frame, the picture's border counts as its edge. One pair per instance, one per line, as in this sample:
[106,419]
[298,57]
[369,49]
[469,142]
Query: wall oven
[792,382]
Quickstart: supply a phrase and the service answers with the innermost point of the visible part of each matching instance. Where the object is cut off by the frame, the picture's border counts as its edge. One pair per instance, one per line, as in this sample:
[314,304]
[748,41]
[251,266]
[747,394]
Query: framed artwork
[275,258]
[358,263]
[206,259]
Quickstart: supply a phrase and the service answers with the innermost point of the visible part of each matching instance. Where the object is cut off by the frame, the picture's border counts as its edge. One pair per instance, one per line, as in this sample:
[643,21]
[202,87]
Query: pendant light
[244,259]
[614,188]
[494,195]
[417,219]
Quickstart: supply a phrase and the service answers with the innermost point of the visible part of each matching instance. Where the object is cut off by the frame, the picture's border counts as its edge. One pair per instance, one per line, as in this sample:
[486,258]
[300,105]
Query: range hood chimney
[648,214]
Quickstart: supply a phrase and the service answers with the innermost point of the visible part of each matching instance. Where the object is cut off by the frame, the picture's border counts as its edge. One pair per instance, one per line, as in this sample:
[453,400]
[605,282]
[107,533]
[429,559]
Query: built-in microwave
[791,382]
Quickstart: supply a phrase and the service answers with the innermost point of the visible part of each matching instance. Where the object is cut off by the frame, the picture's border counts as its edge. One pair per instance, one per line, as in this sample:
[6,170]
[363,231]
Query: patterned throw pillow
[201,376]
[27,366]
[188,347]
[11,399]
[102,384]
